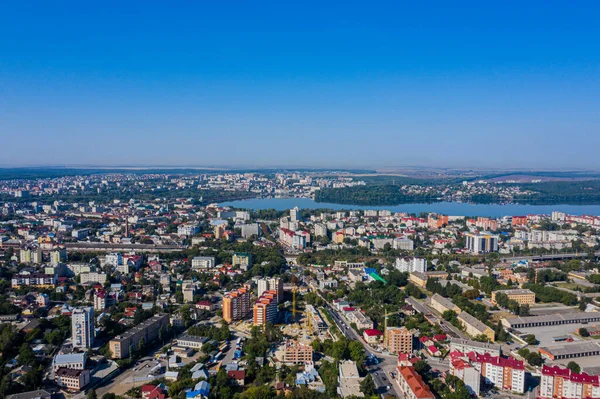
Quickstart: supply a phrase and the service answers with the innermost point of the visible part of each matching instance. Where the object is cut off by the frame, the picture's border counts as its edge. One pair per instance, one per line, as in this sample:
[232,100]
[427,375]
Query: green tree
[574,367]
[530,339]
[91,394]
[584,332]
[367,386]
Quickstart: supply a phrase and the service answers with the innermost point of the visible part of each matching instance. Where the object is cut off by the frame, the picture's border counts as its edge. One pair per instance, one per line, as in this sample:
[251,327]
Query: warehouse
[551,320]
[570,350]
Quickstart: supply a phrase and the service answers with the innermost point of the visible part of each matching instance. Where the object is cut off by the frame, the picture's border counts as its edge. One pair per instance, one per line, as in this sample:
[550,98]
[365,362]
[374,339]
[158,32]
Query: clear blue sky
[495,84]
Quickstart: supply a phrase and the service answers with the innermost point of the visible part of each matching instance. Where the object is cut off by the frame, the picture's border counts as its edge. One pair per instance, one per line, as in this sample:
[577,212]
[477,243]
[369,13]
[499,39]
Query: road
[549,257]
[388,363]
[433,317]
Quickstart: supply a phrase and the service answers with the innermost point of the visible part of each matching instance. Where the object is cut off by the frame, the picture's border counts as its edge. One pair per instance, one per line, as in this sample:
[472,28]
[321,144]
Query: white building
[82,324]
[295,214]
[404,244]
[480,243]
[409,265]
[203,262]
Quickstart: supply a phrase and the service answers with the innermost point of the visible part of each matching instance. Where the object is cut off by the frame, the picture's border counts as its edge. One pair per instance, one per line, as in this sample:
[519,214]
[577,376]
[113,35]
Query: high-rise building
[559,383]
[236,305]
[265,308]
[297,352]
[409,265]
[295,214]
[82,323]
[398,340]
[480,243]
[271,284]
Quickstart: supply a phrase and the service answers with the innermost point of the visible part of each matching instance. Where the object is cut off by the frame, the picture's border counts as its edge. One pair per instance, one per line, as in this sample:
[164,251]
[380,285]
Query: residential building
[522,296]
[265,308]
[398,340]
[72,380]
[236,305]
[82,327]
[412,385]
[203,262]
[297,352]
[75,361]
[418,278]
[561,383]
[271,284]
[481,243]
[403,244]
[372,336]
[122,345]
[243,260]
[349,380]
[411,265]
[474,327]
[442,304]
[295,214]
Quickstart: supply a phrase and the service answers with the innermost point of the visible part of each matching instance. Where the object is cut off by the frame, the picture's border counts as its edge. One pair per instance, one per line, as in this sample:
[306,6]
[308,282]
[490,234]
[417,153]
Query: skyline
[278,85]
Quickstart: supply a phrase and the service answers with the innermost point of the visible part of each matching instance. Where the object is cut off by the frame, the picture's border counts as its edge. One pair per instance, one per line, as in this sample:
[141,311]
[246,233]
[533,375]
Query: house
[237,377]
[201,390]
[153,392]
[371,336]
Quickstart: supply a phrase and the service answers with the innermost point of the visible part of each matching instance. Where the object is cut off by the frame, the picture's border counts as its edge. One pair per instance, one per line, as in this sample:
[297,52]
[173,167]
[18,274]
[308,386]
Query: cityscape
[299,200]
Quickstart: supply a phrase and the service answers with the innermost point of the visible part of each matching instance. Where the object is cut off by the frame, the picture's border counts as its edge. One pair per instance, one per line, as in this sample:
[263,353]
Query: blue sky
[477,84]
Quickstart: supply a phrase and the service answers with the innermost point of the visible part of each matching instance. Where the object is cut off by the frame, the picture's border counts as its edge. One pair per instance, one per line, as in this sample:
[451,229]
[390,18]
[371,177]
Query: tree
[422,367]
[367,386]
[584,332]
[91,394]
[574,367]
[530,339]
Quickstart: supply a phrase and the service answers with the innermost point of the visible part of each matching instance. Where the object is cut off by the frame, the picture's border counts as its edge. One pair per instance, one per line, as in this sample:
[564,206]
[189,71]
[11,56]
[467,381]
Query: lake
[446,208]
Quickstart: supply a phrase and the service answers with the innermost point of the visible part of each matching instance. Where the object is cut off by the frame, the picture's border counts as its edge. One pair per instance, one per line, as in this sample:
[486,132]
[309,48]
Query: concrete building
[522,296]
[72,380]
[442,304]
[203,262]
[419,279]
[82,327]
[570,350]
[122,345]
[411,265]
[236,305]
[474,327]
[191,341]
[562,383]
[349,380]
[271,284]
[398,340]
[412,385]
[265,308]
[403,244]
[551,320]
[481,243]
[297,352]
[467,346]
[243,260]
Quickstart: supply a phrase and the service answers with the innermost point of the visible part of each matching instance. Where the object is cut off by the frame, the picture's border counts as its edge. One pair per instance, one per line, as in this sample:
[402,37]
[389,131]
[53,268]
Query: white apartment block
[411,265]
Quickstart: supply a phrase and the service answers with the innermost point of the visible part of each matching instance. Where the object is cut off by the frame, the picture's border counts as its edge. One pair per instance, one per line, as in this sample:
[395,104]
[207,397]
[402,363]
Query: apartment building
[411,265]
[243,260]
[481,243]
[437,221]
[398,340]
[418,278]
[82,327]
[412,385]
[122,345]
[404,244]
[37,280]
[504,373]
[442,304]
[522,296]
[297,352]
[265,308]
[271,284]
[236,305]
[203,262]
[562,383]
[474,327]
[71,379]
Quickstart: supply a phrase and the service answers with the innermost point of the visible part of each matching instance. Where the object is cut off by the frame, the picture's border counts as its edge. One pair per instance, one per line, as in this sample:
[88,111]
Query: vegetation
[551,294]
